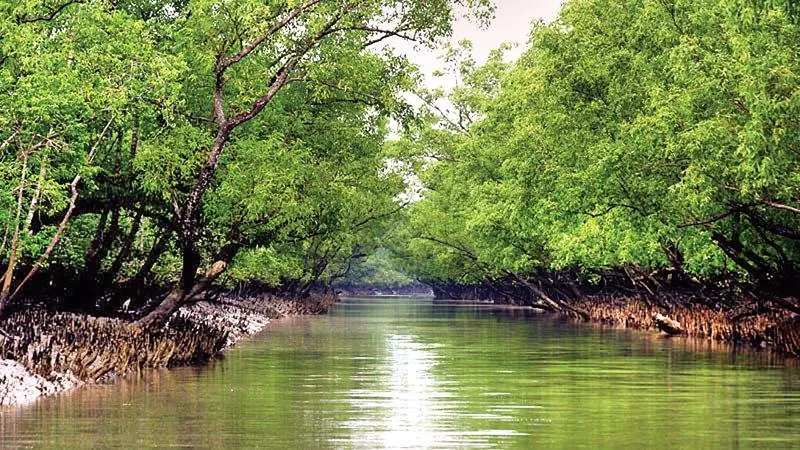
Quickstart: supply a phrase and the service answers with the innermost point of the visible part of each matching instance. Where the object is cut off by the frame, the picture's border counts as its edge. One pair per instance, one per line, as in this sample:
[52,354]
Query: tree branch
[282,76]
[50,16]
[224,63]
[730,212]
[63,225]
[780,206]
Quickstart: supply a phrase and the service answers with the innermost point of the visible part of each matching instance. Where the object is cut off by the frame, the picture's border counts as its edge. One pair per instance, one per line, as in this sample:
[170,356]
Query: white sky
[512,24]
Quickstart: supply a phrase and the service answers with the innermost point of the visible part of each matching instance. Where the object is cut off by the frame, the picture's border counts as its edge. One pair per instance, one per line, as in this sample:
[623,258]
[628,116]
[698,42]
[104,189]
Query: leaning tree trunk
[183,294]
[63,224]
[8,276]
[548,302]
[189,217]
[189,233]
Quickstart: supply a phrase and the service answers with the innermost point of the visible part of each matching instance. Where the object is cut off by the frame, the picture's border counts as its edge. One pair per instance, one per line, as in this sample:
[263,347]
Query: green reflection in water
[407,373]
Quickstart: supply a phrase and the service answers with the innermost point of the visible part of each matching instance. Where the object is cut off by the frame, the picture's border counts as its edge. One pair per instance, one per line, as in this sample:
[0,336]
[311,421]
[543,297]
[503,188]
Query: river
[403,372]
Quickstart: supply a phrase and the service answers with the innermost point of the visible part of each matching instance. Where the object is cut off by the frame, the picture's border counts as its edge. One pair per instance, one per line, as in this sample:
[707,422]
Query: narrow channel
[411,373]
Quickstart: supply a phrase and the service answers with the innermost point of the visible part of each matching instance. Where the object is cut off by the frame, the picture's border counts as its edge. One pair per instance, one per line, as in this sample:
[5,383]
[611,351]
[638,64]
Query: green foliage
[377,270]
[625,129]
[108,125]
[657,134]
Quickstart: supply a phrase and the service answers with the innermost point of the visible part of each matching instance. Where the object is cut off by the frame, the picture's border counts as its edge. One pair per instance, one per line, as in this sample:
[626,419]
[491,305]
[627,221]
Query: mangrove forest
[174,174]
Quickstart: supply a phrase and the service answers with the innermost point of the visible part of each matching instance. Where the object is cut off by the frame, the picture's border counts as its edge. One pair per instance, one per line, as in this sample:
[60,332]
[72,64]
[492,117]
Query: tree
[196,130]
[68,89]
[284,43]
[653,136]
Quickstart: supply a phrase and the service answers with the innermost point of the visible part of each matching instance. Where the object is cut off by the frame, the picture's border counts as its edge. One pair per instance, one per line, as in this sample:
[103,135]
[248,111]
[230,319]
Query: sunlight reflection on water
[413,409]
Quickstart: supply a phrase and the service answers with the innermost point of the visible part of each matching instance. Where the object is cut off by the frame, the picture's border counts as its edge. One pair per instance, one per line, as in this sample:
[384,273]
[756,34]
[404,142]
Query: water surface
[402,372]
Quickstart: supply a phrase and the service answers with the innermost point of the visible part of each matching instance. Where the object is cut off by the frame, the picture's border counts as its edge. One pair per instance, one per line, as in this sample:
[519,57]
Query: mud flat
[46,352]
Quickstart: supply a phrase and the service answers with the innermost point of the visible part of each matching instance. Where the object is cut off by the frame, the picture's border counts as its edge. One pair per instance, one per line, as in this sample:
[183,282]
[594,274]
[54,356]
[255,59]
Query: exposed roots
[758,326]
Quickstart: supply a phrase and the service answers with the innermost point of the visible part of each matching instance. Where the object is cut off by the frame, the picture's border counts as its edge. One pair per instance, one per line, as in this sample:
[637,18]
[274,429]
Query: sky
[512,24]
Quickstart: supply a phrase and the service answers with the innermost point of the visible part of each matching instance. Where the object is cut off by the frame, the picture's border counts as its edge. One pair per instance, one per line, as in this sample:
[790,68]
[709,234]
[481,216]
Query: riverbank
[46,352]
[759,325]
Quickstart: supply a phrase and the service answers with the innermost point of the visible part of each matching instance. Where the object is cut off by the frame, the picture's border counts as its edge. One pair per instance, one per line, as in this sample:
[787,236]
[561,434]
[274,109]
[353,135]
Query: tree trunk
[549,303]
[156,251]
[667,325]
[90,282]
[37,194]
[575,289]
[63,224]
[5,238]
[102,242]
[189,217]
[756,267]
[165,308]
[180,296]
[90,259]
[124,252]
[5,292]
[133,288]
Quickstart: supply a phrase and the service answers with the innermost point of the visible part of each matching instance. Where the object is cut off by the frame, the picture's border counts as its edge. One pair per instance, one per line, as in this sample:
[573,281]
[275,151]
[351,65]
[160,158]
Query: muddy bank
[18,386]
[44,352]
[758,325]
[470,292]
[691,310]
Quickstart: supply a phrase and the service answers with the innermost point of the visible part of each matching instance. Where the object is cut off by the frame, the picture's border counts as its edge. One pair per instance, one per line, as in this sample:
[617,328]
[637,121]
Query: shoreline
[760,327]
[57,352]
[756,326]
[752,325]
[46,353]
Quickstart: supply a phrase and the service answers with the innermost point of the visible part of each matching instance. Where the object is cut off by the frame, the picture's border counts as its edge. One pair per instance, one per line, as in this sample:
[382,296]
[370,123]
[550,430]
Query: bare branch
[63,225]
[13,136]
[780,206]
[382,34]
[52,13]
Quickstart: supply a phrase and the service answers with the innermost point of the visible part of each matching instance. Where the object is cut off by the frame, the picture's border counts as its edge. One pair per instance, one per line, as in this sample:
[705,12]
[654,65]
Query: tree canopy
[156,142]
[192,144]
[656,136]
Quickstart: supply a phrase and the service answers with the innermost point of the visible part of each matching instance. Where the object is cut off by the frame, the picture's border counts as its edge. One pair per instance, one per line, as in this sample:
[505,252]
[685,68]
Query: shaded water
[407,373]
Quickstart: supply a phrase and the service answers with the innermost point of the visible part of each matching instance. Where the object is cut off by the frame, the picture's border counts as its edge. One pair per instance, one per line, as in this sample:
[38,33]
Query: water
[397,373]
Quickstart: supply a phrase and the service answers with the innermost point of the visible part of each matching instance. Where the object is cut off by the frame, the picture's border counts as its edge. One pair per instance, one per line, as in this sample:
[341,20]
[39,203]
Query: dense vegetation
[158,149]
[193,143]
[639,145]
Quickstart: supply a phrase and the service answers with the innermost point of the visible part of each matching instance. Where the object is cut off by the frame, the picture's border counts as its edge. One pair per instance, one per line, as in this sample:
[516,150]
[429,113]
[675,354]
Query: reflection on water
[403,373]
[407,406]
[415,408]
